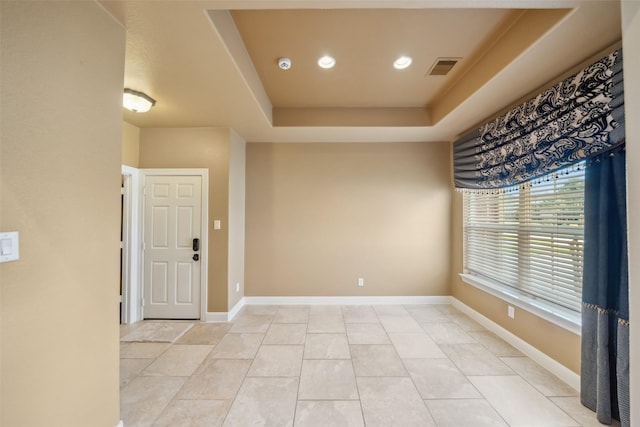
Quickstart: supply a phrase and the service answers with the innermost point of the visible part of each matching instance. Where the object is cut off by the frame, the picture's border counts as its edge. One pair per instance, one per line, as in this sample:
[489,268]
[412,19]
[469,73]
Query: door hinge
[142,302]
[144,246]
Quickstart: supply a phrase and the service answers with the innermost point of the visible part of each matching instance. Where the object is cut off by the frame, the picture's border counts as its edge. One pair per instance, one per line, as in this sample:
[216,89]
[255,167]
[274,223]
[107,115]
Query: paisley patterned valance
[576,119]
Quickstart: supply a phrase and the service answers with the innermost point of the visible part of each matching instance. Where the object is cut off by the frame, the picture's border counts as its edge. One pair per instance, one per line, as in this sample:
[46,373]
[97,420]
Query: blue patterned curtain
[605,307]
[574,120]
[580,118]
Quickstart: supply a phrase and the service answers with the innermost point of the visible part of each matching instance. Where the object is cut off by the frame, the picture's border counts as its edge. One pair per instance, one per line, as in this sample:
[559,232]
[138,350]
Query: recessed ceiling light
[326,61]
[402,62]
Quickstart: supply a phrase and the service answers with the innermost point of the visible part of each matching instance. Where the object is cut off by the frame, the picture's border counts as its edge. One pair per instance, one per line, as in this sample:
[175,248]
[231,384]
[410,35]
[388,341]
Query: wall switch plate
[511,312]
[237,287]
[360,281]
[9,246]
[216,224]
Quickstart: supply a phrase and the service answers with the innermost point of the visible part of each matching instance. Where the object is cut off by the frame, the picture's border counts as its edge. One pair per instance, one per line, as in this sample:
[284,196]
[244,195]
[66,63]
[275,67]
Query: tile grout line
[271,321]
[295,410]
[435,423]
[540,391]
[364,422]
[246,375]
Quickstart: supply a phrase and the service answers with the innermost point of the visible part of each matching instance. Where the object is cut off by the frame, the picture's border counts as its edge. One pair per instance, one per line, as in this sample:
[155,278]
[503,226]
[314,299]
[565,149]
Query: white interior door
[172,270]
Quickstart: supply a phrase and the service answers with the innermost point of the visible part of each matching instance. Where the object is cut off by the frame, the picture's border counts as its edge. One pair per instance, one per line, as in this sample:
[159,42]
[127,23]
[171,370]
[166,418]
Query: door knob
[196,257]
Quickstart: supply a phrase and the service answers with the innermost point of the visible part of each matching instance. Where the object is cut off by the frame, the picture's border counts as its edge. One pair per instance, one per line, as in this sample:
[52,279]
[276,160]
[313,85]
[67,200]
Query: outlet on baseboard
[237,287]
[511,312]
[360,281]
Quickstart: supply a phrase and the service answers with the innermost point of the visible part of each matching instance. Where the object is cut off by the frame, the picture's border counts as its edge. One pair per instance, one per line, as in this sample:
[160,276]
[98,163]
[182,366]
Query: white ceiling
[213,63]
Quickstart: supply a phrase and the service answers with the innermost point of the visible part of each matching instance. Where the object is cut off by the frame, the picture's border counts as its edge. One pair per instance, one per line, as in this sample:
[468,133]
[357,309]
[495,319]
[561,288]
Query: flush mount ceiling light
[326,61]
[402,62]
[137,102]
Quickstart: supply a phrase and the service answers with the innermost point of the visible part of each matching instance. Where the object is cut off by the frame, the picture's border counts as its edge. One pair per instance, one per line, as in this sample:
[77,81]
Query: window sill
[565,319]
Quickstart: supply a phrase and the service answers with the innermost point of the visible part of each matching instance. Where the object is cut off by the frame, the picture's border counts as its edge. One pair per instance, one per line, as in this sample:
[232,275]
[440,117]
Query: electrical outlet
[511,312]
[360,281]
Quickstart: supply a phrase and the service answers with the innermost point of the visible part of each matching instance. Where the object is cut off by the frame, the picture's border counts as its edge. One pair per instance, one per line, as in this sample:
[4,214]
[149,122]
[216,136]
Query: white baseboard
[120,424]
[556,368]
[225,316]
[346,300]
[236,309]
[217,317]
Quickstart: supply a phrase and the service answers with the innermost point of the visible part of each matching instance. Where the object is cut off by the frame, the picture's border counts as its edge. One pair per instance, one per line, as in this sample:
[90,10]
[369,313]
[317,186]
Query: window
[527,240]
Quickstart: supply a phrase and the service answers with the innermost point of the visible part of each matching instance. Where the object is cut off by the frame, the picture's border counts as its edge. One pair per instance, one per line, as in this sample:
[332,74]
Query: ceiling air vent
[442,66]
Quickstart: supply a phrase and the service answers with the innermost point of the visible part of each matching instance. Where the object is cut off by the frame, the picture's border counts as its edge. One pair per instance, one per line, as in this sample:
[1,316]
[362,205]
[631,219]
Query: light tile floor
[337,366]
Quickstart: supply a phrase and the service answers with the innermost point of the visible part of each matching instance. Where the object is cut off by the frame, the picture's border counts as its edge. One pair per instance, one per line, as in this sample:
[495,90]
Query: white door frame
[204,247]
[131,251]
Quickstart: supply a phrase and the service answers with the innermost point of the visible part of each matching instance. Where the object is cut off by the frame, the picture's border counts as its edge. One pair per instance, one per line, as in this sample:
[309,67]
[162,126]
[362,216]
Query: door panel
[159,278]
[172,220]
[185,226]
[184,294]
[159,227]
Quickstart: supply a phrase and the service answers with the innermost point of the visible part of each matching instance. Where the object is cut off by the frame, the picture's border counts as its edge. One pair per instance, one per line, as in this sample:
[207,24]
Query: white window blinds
[529,238]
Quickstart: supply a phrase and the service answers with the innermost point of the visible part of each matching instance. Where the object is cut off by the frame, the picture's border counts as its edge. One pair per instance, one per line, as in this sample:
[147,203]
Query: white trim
[125,248]
[132,290]
[225,316]
[204,251]
[217,317]
[346,300]
[565,319]
[120,424]
[236,309]
[553,366]
[204,237]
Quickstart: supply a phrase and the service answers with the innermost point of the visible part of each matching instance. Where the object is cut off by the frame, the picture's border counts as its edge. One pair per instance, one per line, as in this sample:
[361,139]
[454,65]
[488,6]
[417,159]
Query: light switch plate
[216,224]
[9,246]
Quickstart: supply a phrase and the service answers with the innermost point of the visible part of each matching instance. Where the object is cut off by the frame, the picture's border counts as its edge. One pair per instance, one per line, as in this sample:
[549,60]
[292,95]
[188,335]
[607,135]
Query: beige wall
[237,156]
[130,145]
[199,148]
[631,35]
[321,215]
[60,185]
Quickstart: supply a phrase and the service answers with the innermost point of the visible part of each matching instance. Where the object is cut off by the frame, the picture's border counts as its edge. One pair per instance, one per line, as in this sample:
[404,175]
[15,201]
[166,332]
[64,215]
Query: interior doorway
[132,248]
